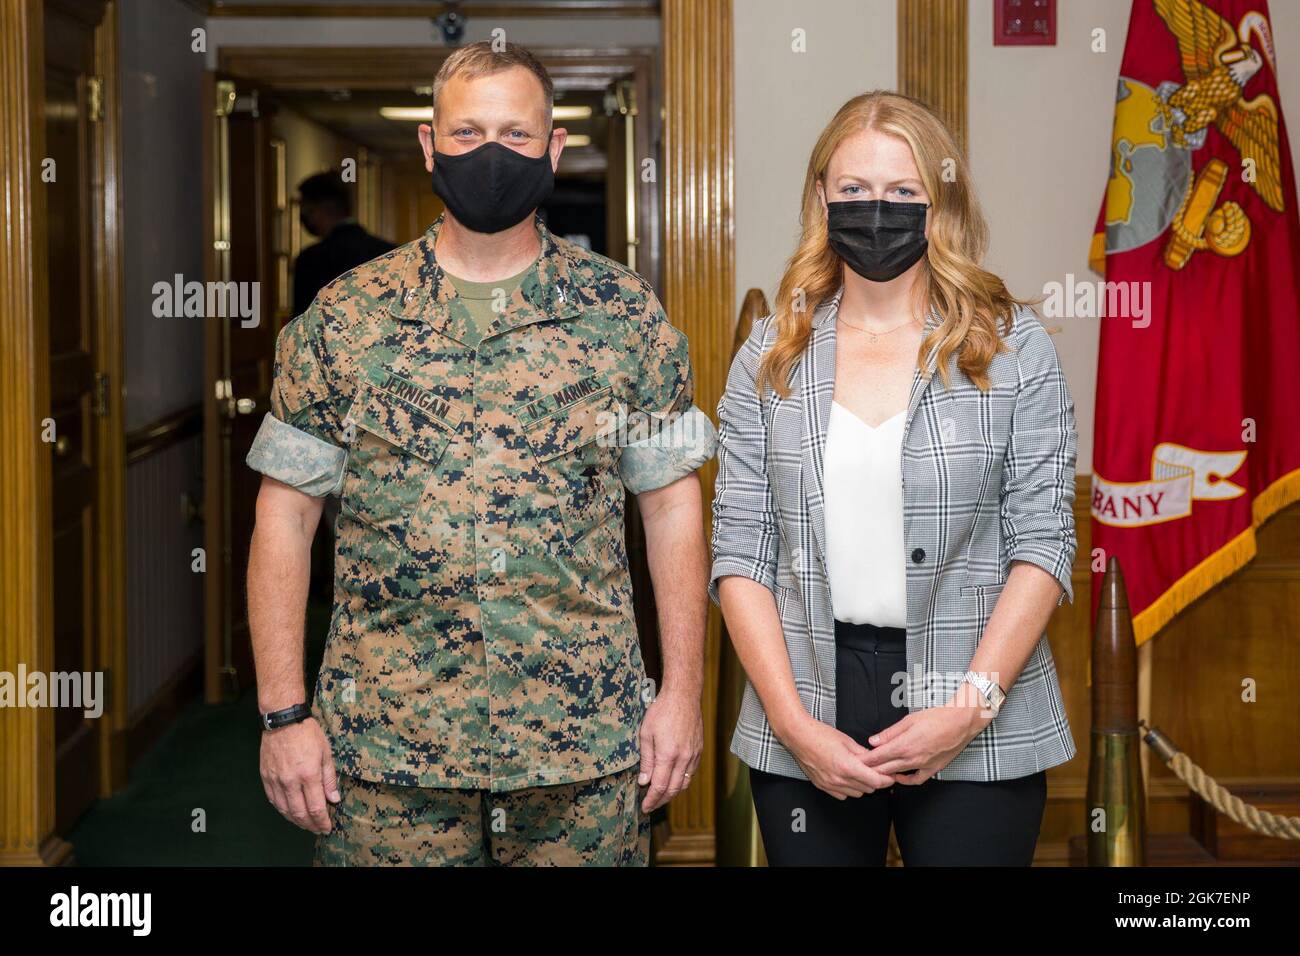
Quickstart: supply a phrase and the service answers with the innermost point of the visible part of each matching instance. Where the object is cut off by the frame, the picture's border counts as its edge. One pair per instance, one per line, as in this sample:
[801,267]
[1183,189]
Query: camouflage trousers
[592,823]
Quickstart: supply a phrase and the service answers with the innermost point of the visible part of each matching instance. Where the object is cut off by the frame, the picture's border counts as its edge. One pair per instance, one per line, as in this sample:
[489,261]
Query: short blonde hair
[480,59]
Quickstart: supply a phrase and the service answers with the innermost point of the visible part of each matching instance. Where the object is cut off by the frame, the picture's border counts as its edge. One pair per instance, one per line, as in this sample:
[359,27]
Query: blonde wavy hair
[970,301]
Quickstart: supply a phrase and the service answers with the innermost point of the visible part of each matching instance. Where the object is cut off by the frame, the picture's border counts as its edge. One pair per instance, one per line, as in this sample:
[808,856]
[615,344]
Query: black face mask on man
[492,187]
[878,240]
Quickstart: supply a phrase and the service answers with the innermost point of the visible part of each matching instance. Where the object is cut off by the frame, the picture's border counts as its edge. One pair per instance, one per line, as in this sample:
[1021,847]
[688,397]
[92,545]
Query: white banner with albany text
[1179,476]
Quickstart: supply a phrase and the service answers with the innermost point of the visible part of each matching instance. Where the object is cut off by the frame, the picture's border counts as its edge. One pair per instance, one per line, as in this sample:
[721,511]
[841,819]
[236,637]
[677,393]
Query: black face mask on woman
[878,240]
[492,187]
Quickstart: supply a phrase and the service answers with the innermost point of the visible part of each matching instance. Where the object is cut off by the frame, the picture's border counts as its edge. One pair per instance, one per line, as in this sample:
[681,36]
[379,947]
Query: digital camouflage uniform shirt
[482,634]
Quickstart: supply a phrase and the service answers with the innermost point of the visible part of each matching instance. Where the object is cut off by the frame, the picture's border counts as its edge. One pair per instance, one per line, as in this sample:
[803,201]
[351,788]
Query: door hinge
[100,399]
[248,103]
[95,98]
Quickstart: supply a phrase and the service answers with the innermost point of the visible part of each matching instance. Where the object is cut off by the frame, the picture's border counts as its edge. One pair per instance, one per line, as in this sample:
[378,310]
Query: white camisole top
[864,519]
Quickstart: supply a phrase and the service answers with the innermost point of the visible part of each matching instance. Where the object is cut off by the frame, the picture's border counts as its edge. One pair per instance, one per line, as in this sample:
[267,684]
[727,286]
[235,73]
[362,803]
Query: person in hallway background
[483,698]
[325,209]
[877,524]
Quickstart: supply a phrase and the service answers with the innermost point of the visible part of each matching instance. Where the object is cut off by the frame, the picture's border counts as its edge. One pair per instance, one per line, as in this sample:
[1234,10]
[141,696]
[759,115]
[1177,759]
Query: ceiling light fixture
[571,113]
[407,114]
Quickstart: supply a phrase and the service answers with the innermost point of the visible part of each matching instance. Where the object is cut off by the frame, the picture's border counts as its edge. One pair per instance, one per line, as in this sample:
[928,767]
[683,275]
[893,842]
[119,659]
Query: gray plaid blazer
[988,478]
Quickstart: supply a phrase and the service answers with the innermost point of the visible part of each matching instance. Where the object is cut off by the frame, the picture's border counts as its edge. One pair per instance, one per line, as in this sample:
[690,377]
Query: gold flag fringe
[1222,564]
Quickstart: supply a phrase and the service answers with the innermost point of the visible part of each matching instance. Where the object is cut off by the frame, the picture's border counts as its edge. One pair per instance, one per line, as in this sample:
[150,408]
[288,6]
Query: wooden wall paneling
[932,58]
[699,297]
[26,734]
[110,443]
[1224,678]
[215,226]
[1241,637]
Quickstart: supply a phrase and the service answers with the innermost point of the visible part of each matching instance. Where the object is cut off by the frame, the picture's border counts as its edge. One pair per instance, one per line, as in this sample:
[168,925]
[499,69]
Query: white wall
[162,203]
[1040,126]
[783,100]
[160,83]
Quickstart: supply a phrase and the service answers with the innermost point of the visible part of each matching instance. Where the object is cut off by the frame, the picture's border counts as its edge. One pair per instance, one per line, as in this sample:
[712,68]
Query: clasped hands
[908,752]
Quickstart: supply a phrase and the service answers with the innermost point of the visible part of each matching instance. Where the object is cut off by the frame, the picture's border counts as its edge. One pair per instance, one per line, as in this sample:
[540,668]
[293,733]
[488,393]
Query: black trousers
[938,823]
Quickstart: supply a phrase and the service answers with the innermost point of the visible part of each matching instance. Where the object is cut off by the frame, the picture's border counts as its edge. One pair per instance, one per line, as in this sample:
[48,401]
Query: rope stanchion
[1215,794]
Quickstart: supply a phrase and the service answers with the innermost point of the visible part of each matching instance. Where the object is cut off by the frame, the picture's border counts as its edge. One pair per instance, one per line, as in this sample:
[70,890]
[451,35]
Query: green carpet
[206,762]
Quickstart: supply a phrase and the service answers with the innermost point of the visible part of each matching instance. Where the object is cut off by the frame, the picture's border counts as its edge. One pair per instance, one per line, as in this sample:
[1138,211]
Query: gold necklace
[875,336]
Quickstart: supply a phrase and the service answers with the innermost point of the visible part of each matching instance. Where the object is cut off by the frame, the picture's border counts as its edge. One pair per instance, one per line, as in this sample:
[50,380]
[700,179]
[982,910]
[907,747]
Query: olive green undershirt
[479,297]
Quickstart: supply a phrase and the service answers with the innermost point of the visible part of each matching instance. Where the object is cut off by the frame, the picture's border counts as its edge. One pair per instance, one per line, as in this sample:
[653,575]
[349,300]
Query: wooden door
[410,204]
[620,193]
[625,142]
[238,368]
[73,102]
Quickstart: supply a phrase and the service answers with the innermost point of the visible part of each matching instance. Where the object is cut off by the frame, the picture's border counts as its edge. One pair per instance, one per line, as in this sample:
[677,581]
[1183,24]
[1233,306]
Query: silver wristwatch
[989,690]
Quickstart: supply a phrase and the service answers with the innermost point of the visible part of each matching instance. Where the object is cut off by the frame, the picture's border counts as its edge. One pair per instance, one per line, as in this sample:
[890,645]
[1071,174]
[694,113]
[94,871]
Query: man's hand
[672,737]
[672,734]
[298,774]
[296,765]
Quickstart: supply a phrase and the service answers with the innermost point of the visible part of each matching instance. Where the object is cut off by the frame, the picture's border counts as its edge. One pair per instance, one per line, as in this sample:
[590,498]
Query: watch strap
[282,718]
[990,690]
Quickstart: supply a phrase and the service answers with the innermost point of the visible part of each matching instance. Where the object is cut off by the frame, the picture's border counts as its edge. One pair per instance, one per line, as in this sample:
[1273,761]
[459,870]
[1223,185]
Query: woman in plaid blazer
[942,722]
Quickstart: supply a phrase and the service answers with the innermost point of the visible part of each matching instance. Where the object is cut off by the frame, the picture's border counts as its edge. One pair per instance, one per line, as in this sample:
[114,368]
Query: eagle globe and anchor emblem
[1153,186]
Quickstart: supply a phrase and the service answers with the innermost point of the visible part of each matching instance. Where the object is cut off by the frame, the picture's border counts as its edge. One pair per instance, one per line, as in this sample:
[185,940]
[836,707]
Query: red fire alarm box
[1024,22]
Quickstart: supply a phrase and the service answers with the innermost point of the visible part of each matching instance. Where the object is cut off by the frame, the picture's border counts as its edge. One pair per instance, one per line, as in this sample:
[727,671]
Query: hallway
[195,799]
[206,762]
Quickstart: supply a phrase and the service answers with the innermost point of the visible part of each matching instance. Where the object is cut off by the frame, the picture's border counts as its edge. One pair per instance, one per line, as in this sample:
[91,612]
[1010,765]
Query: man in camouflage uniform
[482,697]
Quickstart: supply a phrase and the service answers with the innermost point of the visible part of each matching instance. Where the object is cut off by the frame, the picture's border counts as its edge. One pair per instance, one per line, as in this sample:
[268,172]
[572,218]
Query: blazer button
[918,555]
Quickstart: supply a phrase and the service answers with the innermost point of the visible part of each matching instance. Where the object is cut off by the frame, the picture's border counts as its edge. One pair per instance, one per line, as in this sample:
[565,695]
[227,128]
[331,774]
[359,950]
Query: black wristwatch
[283,718]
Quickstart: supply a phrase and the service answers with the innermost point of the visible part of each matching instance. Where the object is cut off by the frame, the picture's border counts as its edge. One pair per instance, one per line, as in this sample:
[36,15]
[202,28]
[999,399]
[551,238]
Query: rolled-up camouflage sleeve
[300,440]
[682,437]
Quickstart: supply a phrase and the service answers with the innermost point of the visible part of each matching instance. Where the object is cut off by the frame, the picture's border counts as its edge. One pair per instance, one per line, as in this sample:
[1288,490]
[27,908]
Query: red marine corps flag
[1198,419]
